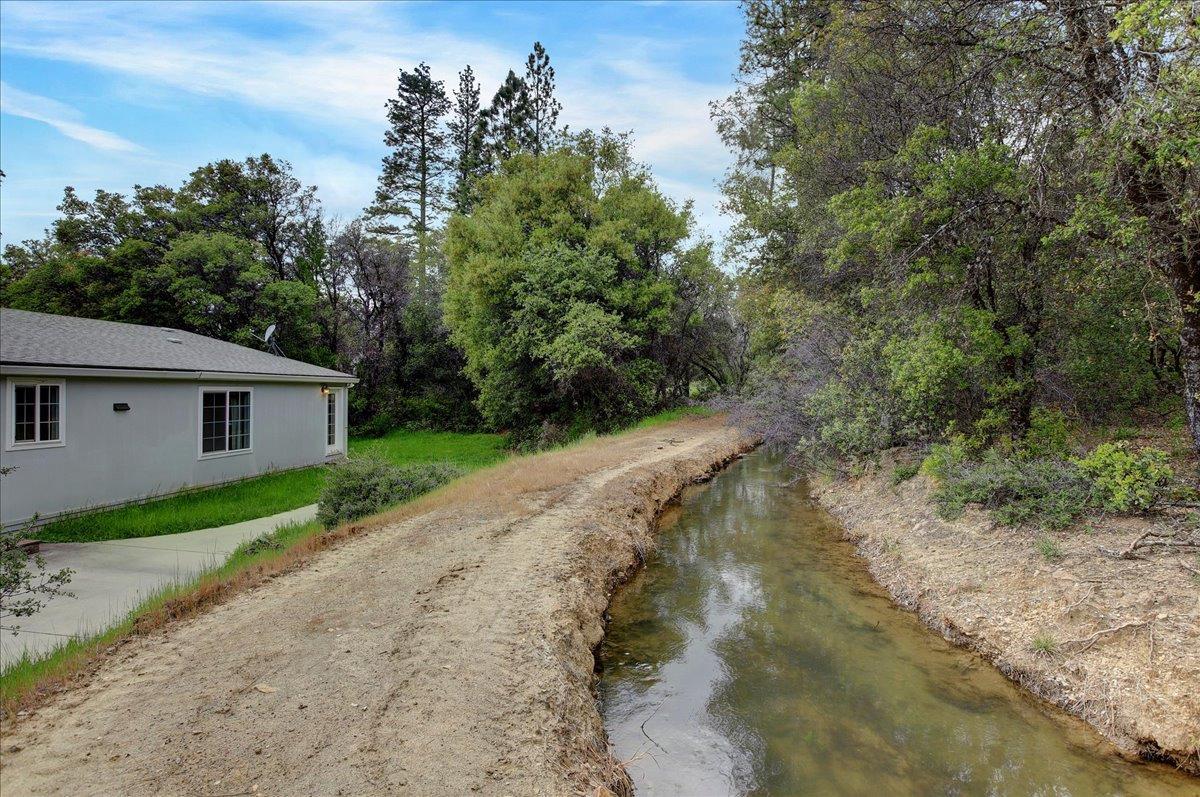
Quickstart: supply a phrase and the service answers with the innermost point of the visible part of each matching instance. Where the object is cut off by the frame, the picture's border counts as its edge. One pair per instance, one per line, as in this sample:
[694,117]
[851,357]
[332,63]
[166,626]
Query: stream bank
[446,651]
[1113,641]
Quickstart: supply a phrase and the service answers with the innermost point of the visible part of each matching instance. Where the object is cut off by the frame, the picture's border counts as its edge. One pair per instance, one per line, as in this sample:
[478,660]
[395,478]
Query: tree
[563,286]
[543,107]
[508,119]
[468,130]
[412,185]
[947,203]
[258,199]
[234,249]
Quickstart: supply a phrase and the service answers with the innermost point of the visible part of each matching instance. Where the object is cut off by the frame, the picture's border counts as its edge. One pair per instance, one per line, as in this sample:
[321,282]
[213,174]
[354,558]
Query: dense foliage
[954,216]
[575,296]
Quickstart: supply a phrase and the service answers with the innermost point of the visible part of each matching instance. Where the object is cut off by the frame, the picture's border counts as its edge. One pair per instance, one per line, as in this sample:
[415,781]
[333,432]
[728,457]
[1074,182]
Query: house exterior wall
[109,457]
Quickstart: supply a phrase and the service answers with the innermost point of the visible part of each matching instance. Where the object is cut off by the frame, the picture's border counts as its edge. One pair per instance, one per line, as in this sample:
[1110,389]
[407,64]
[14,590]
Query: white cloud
[334,65]
[61,117]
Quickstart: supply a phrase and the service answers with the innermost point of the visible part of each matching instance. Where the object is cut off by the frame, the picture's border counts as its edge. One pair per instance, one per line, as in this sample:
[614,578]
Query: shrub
[904,471]
[1047,435]
[360,487]
[945,459]
[1048,492]
[1123,479]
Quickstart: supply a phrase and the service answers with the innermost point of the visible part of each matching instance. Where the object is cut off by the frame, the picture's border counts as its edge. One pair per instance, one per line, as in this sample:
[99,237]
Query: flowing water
[754,655]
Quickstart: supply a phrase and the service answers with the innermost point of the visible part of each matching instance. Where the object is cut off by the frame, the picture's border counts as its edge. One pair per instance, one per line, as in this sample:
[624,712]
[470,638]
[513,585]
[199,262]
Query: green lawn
[269,494]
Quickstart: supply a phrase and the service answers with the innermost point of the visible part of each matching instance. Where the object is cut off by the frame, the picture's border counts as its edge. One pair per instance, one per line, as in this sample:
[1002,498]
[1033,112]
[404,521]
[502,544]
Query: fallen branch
[1088,641]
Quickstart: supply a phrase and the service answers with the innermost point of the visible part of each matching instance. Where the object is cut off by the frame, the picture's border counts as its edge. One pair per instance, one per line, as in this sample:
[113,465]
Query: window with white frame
[36,412]
[224,421]
[331,419]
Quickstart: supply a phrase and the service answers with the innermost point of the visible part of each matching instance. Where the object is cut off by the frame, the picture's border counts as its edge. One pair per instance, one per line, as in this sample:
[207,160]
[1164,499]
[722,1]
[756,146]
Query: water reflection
[753,655]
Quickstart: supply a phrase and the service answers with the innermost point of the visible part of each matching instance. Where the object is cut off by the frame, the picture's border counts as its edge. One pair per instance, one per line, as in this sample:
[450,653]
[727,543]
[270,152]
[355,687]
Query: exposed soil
[1120,637]
[450,652]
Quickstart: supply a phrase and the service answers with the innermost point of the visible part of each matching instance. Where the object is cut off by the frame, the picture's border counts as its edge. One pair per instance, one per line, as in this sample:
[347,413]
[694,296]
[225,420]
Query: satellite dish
[269,339]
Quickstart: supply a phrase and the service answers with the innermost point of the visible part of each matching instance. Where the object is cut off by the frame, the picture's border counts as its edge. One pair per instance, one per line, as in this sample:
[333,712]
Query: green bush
[904,471]
[1047,492]
[1047,435]
[363,486]
[945,459]
[1123,479]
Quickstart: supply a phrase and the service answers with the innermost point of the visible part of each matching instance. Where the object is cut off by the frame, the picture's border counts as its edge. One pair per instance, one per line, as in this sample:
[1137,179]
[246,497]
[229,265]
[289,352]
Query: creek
[754,655]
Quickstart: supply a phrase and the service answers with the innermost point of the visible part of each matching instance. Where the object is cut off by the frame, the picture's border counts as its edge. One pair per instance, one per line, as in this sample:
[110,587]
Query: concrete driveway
[113,577]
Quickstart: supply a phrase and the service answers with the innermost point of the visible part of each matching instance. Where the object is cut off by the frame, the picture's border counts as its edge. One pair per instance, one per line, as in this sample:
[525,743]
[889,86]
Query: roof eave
[28,369]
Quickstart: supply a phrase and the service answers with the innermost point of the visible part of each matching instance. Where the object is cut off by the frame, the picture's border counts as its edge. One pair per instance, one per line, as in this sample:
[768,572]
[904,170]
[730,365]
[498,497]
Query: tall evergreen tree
[543,108]
[412,184]
[508,117]
[467,130]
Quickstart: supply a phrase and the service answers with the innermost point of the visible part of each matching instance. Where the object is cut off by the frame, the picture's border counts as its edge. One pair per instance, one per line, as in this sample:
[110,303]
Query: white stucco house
[98,413]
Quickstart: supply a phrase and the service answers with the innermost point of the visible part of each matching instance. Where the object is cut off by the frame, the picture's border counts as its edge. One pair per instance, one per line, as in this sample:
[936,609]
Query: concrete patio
[112,577]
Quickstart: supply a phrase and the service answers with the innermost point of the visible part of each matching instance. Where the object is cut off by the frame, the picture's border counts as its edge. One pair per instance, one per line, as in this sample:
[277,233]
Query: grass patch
[1050,550]
[666,416]
[904,471]
[1044,645]
[199,509]
[268,494]
[468,451]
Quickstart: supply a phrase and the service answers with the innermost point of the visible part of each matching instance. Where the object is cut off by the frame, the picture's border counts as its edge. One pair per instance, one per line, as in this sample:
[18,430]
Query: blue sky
[110,95]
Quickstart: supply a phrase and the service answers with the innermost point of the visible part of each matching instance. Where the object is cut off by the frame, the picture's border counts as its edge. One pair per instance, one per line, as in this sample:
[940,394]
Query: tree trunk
[1189,354]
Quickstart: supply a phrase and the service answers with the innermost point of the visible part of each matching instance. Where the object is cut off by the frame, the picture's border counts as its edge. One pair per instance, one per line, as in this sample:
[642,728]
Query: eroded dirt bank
[448,652]
[1120,638]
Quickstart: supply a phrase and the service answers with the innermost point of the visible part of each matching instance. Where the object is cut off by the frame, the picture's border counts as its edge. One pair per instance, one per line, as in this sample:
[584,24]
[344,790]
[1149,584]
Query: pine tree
[412,185]
[467,127]
[543,108]
[508,118]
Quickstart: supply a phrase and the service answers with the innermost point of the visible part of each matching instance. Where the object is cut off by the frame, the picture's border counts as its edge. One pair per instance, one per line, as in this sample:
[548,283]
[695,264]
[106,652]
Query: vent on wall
[120,406]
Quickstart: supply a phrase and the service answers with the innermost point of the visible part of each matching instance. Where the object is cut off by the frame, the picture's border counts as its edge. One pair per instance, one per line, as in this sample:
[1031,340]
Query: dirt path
[445,653]
[1120,637]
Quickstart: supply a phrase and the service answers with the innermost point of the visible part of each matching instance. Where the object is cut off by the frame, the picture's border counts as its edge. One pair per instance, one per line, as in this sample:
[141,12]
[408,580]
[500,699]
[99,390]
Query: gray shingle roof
[65,341]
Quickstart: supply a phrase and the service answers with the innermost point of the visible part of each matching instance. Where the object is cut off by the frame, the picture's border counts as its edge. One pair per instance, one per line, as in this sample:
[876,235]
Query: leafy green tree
[563,288]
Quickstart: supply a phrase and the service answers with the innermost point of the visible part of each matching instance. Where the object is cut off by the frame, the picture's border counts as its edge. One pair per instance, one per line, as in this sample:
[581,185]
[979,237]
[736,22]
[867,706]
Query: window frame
[330,419]
[10,418]
[225,389]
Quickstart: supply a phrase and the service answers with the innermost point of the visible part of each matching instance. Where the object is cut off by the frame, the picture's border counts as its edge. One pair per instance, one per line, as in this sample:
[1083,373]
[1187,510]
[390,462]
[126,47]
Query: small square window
[36,413]
[225,417]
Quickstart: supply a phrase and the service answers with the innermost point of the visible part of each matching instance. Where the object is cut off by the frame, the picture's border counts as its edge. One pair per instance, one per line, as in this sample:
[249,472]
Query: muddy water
[754,655]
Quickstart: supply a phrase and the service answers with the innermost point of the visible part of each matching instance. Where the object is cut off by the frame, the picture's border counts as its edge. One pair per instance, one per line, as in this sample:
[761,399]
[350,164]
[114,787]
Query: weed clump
[363,486]
[1045,645]
[1050,550]
[904,471]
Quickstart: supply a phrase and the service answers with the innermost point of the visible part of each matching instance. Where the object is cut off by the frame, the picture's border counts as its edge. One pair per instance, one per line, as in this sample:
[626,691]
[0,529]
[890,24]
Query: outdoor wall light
[324,390]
